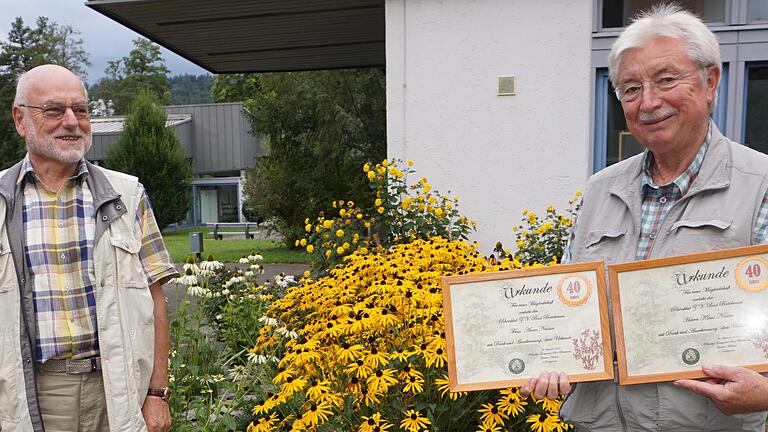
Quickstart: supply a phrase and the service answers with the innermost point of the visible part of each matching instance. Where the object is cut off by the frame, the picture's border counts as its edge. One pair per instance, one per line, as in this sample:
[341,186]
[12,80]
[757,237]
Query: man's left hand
[733,389]
[157,415]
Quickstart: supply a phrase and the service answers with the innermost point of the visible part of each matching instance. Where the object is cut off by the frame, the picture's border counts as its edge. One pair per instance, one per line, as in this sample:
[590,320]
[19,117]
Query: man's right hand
[549,384]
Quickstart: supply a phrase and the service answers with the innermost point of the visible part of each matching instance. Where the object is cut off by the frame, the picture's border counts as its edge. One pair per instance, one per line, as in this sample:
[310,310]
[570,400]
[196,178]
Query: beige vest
[719,211]
[124,310]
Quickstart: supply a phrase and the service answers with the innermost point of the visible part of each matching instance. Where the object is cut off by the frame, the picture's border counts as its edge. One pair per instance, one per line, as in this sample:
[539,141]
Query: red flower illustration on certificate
[760,341]
[587,348]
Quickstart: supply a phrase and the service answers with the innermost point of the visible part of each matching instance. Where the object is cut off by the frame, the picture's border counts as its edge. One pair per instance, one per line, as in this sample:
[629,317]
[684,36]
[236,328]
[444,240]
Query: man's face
[667,122]
[64,140]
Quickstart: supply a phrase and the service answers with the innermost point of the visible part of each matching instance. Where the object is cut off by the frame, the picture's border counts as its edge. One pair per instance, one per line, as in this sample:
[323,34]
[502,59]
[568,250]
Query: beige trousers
[72,403]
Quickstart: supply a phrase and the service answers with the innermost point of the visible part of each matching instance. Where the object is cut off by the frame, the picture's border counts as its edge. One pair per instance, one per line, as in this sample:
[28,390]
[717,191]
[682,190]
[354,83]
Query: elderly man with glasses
[692,190]
[83,324]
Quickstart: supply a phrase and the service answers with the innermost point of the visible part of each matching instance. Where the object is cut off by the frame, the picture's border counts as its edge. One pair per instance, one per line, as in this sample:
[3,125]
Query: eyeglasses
[56,111]
[630,91]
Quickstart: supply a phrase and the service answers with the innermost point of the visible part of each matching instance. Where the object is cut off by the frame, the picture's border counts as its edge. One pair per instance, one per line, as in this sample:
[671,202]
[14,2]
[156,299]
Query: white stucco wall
[498,154]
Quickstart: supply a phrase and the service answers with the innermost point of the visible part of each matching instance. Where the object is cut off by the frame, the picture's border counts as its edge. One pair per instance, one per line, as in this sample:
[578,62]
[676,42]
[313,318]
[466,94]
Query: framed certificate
[671,315]
[505,327]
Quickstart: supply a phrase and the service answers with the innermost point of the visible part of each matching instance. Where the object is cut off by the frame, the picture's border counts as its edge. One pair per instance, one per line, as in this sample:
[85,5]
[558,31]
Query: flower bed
[360,345]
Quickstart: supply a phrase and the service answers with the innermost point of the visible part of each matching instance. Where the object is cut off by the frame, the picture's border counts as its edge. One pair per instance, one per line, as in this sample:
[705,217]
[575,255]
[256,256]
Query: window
[758,11]
[618,13]
[755,108]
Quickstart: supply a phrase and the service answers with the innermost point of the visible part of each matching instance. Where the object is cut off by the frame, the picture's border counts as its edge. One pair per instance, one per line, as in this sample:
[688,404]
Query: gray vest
[719,211]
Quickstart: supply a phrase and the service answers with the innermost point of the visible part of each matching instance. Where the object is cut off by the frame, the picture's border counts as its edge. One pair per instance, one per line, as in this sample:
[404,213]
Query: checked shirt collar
[657,200]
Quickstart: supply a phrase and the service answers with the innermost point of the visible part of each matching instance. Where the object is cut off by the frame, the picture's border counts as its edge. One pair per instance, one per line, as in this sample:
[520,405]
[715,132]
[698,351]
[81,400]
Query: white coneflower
[243,260]
[189,278]
[237,373]
[288,333]
[248,273]
[283,281]
[225,292]
[196,291]
[268,320]
[255,256]
[211,264]
[257,358]
[257,268]
[233,280]
[191,265]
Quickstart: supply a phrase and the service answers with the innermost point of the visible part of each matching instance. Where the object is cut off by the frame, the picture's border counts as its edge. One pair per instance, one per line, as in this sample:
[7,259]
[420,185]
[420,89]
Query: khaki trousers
[72,403]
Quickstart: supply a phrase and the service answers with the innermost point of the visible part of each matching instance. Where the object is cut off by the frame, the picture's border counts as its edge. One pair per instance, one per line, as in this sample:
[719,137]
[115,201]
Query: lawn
[177,243]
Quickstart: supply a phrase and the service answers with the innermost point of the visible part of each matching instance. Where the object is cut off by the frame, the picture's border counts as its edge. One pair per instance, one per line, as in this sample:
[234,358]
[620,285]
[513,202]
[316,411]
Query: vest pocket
[601,244]
[698,235]
[702,223]
[130,273]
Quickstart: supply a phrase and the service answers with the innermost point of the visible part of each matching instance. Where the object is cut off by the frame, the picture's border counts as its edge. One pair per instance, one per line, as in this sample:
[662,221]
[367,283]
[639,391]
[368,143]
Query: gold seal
[752,274]
[574,290]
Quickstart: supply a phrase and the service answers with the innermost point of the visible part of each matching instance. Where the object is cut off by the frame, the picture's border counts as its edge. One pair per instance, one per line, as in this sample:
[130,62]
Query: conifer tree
[152,152]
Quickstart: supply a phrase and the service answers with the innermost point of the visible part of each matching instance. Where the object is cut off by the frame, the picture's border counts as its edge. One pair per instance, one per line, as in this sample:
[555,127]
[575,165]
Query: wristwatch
[163,393]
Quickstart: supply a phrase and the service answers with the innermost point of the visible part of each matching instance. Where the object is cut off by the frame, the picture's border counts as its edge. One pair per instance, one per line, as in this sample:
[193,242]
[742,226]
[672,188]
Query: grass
[177,243]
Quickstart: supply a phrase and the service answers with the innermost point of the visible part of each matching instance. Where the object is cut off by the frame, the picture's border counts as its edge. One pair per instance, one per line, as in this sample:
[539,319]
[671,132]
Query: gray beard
[47,146]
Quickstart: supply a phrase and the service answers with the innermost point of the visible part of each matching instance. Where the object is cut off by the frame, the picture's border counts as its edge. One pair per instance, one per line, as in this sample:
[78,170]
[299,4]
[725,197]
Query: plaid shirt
[657,200]
[59,231]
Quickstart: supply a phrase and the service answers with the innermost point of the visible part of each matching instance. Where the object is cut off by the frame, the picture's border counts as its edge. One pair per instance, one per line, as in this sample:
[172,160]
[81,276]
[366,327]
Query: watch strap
[162,392]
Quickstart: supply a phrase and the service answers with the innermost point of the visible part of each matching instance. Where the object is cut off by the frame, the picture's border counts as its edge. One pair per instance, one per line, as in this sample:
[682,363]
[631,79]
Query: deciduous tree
[320,128]
[142,69]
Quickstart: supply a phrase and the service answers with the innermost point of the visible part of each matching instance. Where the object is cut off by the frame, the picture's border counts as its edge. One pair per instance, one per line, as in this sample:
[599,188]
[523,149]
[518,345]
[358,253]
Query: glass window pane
[618,13]
[756,118]
[758,10]
[620,142]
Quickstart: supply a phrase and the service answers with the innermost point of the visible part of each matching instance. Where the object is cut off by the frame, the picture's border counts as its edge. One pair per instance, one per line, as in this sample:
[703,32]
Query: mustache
[63,132]
[652,116]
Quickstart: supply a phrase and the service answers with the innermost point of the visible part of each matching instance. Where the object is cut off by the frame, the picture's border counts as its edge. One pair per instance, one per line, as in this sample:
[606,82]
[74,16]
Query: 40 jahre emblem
[516,366]
[691,356]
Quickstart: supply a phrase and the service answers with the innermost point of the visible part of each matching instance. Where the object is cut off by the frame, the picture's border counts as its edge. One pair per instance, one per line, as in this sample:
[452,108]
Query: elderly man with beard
[83,323]
[692,190]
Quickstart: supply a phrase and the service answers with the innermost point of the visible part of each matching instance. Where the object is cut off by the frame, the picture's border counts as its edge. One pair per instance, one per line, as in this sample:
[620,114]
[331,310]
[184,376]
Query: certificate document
[672,315]
[505,327]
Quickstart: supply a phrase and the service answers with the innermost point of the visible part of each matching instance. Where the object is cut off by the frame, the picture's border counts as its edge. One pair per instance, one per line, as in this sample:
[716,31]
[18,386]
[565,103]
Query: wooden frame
[484,287]
[694,305]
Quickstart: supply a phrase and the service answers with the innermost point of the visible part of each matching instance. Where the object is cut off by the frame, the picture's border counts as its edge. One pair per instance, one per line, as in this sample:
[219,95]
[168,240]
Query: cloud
[103,38]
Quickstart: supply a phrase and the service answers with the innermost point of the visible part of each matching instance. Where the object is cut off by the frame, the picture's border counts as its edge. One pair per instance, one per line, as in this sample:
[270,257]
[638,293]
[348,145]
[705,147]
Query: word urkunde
[510,292]
[683,278]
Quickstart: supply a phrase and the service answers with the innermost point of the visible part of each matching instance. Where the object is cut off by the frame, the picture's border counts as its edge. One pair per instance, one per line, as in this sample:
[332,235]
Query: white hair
[22,88]
[672,21]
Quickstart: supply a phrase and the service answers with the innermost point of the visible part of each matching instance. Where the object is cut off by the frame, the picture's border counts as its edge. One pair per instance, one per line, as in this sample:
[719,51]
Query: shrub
[399,213]
[541,240]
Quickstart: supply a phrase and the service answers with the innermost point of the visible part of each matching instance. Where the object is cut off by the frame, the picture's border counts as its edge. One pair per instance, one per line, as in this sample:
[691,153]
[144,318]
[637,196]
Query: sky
[103,39]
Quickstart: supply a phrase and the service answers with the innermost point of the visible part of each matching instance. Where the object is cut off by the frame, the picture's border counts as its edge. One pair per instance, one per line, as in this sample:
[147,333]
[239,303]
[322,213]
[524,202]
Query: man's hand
[549,384]
[733,389]
[156,413]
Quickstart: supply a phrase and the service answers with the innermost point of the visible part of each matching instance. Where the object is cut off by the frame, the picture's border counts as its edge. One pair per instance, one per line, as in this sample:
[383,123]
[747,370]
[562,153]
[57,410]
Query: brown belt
[72,367]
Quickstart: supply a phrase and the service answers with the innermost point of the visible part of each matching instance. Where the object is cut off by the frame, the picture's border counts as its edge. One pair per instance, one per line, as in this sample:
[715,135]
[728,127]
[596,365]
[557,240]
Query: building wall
[102,142]
[221,137]
[498,154]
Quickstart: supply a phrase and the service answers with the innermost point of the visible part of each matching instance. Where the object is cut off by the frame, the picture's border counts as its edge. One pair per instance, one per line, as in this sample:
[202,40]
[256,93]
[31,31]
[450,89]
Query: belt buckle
[67,365]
